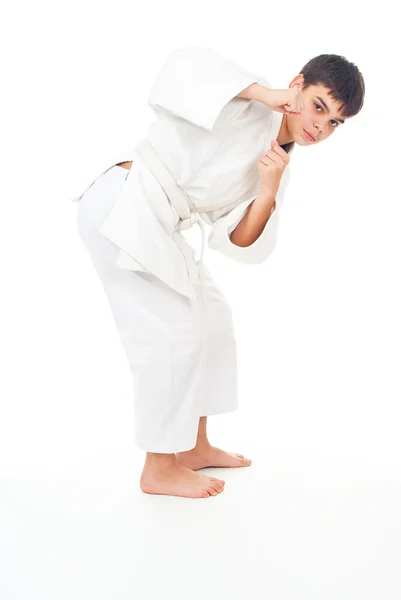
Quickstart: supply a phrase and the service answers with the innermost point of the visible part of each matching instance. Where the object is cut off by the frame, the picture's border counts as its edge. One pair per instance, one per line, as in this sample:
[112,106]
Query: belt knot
[191,220]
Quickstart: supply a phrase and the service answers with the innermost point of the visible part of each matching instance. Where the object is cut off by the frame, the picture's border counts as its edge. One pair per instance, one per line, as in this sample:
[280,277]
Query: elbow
[251,254]
[236,241]
[242,239]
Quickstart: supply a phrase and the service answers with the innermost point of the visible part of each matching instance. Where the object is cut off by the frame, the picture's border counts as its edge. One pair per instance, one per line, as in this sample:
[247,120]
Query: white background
[317,515]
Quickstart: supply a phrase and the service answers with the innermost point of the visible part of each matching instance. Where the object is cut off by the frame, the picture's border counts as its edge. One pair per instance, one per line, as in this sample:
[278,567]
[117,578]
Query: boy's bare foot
[208,456]
[176,480]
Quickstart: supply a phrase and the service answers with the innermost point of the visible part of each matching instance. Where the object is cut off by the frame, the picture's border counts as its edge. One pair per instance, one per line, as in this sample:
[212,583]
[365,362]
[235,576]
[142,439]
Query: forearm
[255,91]
[253,222]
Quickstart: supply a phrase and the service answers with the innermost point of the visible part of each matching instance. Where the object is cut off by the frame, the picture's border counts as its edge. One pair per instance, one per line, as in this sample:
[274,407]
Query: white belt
[181,203]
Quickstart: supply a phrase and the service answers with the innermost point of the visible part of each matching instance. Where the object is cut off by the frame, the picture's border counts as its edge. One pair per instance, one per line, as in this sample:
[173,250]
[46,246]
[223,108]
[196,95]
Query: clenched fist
[271,167]
[284,101]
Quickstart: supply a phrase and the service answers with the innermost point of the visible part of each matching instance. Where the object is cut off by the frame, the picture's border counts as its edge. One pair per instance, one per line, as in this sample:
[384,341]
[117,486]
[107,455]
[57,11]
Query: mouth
[309,137]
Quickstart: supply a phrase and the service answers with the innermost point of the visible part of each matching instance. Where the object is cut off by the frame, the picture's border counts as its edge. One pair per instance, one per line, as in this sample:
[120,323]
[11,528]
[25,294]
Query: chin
[299,140]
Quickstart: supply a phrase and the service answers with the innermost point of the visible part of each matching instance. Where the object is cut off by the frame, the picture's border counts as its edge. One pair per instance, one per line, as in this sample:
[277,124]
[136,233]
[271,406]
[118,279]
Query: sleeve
[259,250]
[263,246]
[199,85]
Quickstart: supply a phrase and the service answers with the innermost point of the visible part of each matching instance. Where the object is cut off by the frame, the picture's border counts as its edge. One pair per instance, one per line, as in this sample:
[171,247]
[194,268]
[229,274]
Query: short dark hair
[342,78]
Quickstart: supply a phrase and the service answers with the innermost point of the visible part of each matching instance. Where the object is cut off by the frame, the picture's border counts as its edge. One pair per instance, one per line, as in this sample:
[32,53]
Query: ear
[298,81]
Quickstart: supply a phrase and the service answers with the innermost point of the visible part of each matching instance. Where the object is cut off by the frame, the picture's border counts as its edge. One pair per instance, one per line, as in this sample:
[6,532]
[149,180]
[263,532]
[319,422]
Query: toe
[245,461]
[219,481]
[216,484]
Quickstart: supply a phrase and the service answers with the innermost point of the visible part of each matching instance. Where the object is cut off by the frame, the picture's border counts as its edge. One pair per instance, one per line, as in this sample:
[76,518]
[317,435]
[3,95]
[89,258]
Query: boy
[219,151]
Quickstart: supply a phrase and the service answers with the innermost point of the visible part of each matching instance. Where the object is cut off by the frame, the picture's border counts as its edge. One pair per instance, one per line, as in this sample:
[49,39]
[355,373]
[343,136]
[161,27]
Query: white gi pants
[182,357]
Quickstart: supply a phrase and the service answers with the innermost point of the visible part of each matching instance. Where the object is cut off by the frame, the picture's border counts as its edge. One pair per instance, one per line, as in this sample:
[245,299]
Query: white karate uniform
[198,163]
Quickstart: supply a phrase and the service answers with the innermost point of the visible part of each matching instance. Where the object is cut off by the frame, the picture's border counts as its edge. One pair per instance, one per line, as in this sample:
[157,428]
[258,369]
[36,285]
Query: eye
[332,121]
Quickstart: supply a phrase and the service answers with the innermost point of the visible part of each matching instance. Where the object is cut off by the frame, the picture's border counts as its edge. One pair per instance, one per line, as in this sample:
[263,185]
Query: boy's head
[333,90]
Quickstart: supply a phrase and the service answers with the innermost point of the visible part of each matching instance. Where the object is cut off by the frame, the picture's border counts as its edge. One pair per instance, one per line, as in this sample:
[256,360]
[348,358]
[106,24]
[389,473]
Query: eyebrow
[327,109]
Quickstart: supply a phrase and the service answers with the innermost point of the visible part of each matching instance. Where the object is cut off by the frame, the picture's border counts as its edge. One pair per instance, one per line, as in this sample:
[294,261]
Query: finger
[273,155]
[281,152]
[276,157]
[289,109]
[292,106]
[277,148]
[267,161]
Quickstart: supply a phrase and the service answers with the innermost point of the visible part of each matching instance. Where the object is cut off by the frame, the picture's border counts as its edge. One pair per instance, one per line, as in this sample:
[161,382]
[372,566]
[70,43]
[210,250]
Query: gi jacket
[210,142]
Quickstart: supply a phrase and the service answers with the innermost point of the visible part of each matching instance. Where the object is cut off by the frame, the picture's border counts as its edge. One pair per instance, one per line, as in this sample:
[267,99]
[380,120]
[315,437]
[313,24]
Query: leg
[202,435]
[159,328]
[220,381]
[206,455]
[161,343]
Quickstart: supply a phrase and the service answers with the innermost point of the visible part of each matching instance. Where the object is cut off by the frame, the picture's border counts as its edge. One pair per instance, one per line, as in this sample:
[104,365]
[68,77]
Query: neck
[284,136]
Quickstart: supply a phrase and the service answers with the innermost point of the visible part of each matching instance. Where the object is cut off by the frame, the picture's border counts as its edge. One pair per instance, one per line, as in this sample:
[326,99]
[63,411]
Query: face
[315,118]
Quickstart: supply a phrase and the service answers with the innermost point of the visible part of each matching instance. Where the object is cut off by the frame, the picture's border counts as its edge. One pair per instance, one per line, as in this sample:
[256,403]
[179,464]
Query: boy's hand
[285,101]
[271,167]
